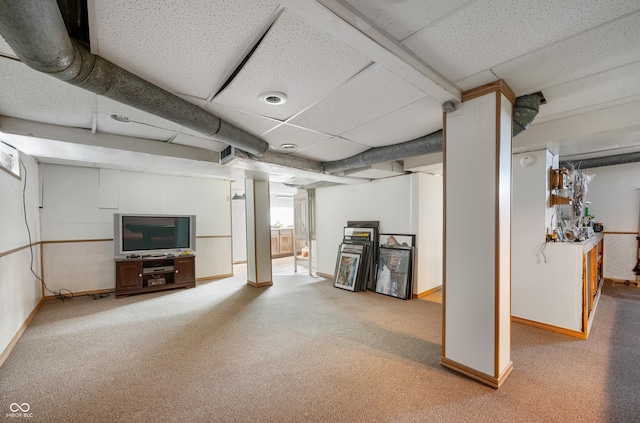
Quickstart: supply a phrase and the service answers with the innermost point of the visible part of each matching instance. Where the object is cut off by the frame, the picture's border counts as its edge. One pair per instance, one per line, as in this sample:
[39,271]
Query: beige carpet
[304,351]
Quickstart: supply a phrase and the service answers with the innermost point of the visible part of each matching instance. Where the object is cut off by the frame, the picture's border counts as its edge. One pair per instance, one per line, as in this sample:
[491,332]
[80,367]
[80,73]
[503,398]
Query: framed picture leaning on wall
[395,275]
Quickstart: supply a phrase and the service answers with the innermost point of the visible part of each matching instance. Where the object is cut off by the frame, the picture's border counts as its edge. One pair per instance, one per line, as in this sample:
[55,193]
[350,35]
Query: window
[10,159]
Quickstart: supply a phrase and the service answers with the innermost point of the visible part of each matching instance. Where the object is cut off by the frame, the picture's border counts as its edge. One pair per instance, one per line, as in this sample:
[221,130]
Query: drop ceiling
[357,74]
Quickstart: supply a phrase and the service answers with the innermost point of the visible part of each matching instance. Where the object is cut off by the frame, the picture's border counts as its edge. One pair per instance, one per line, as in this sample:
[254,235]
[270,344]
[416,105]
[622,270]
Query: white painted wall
[614,193]
[239,223]
[20,290]
[430,232]
[389,201]
[71,211]
[407,204]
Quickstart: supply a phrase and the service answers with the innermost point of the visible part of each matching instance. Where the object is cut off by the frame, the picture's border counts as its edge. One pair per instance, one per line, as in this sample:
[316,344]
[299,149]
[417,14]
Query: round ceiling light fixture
[288,146]
[273,98]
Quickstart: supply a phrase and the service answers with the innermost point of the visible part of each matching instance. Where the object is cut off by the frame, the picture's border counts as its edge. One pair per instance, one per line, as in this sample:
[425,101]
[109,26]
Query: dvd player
[157,269]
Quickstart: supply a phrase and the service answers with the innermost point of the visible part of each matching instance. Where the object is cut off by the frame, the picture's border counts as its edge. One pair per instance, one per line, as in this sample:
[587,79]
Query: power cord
[59,295]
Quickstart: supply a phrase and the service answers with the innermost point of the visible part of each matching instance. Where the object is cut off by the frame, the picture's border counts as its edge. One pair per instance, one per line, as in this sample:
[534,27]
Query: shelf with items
[557,185]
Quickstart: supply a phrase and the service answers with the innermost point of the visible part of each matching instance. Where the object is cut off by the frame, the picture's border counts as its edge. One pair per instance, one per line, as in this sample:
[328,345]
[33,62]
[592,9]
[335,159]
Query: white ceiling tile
[32,95]
[604,47]
[413,121]
[490,32]
[209,36]
[5,49]
[294,58]
[333,149]
[107,125]
[402,18]
[253,124]
[288,134]
[369,95]
[598,89]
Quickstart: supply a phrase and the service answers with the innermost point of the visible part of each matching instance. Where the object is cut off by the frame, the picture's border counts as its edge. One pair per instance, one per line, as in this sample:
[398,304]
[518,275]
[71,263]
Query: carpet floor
[304,351]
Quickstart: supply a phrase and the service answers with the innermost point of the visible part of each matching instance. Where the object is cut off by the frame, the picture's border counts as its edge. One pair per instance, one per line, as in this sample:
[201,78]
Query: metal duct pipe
[34,29]
[525,110]
[431,143]
[602,161]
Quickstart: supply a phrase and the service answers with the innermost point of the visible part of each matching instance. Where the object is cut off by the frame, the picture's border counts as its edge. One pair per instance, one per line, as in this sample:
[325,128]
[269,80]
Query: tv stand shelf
[146,274]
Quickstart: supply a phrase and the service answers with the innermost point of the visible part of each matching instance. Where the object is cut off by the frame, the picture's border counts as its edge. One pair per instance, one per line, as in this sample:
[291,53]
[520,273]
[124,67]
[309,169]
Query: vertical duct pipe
[35,30]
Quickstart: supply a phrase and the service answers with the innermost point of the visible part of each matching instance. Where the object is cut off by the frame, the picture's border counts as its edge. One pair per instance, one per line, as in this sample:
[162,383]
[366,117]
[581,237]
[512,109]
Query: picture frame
[395,275]
[10,160]
[347,267]
[397,240]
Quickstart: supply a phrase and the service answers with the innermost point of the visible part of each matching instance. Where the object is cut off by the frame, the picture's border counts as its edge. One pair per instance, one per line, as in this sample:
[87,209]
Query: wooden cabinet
[138,276]
[281,242]
[286,242]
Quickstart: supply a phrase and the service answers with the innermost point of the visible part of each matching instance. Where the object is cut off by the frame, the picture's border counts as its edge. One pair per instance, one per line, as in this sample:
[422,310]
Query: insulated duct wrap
[35,30]
[602,161]
[431,143]
[525,110]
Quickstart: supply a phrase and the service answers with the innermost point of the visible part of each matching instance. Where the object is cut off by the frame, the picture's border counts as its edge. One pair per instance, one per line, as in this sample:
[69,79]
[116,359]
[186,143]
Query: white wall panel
[614,193]
[79,266]
[387,200]
[71,212]
[430,232]
[470,196]
[20,291]
[620,256]
[213,258]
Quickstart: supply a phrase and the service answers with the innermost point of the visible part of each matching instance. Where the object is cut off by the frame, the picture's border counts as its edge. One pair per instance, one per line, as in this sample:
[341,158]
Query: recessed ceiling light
[120,118]
[273,98]
[288,146]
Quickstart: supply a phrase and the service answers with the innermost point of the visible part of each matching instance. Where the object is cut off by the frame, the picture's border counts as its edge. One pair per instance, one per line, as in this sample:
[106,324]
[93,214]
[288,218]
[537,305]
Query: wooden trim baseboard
[259,284]
[324,275]
[213,236]
[427,292]
[83,293]
[15,250]
[211,278]
[493,382]
[620,233]
[574,333]
[7,351]
[68,241]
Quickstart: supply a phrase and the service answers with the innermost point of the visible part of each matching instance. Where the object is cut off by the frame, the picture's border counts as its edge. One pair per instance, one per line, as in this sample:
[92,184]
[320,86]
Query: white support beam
[353,29]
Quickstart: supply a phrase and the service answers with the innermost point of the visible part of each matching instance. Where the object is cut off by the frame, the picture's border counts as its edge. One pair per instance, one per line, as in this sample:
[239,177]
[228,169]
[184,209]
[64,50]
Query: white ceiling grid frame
[123,33]
[253,124]
[352,28]
[294,58]
[593,90]
[290,134]
[457,46]
[32,95]
[412,121]
[402,19]
[367,96]
[596,50]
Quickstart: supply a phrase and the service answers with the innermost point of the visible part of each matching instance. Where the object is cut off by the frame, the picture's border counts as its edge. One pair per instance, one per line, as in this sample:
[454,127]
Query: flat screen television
[153,234]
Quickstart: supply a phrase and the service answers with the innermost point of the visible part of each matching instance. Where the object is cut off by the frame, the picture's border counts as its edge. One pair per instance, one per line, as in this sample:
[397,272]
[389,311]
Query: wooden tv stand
[151,274]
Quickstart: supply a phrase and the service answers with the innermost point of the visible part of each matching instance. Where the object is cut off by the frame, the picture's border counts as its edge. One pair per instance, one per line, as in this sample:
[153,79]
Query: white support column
[476,339]
[258,233]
